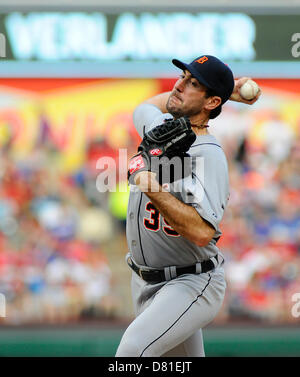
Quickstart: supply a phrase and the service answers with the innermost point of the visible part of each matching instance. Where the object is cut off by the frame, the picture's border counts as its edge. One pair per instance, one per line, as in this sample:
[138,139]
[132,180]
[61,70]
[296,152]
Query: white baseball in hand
[249,90]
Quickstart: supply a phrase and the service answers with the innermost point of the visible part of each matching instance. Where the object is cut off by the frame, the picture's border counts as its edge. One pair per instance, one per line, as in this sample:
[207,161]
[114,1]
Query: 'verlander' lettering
[145,36]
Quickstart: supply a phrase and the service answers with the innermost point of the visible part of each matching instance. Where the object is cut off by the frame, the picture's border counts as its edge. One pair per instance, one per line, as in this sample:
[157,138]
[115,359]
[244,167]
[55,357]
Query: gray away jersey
[151,240]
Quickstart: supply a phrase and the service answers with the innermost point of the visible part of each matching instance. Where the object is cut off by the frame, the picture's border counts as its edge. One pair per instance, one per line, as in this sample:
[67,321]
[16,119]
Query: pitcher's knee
[129,347]
[136,346]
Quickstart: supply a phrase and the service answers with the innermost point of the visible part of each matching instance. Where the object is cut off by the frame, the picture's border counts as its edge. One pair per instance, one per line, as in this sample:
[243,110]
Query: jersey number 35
[154,222]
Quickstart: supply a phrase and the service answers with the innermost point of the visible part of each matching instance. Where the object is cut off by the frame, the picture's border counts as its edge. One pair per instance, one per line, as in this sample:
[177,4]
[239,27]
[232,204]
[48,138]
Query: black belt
[158,276]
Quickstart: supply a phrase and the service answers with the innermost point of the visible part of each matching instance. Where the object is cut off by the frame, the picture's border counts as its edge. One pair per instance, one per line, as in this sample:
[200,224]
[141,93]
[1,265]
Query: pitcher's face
[187,97]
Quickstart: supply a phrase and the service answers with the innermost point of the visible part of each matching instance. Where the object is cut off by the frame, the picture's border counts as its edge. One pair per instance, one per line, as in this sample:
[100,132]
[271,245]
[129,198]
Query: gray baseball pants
[170,315]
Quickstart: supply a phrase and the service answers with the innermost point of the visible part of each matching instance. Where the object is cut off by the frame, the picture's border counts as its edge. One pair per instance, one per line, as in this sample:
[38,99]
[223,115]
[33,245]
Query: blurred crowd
[56,230]
[261,227]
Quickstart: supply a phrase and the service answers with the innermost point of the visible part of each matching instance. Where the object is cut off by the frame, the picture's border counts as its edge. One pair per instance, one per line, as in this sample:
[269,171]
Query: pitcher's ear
[212,102]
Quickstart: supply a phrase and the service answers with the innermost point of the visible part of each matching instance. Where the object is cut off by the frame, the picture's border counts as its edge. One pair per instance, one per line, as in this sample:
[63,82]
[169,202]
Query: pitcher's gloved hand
[163,151]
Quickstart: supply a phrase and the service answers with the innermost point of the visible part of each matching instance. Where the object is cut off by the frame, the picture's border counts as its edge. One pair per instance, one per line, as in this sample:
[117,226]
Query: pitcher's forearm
[182,217]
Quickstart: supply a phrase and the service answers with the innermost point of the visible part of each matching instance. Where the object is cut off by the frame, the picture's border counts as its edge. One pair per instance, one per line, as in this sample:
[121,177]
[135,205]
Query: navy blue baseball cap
[212,73]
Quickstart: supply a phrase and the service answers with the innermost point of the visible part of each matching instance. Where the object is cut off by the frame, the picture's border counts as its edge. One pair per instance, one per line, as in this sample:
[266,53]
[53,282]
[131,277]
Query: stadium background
[62,240]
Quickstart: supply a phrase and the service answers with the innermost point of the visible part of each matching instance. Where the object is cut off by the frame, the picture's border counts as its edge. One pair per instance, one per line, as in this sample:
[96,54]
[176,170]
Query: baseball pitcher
[178,194]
